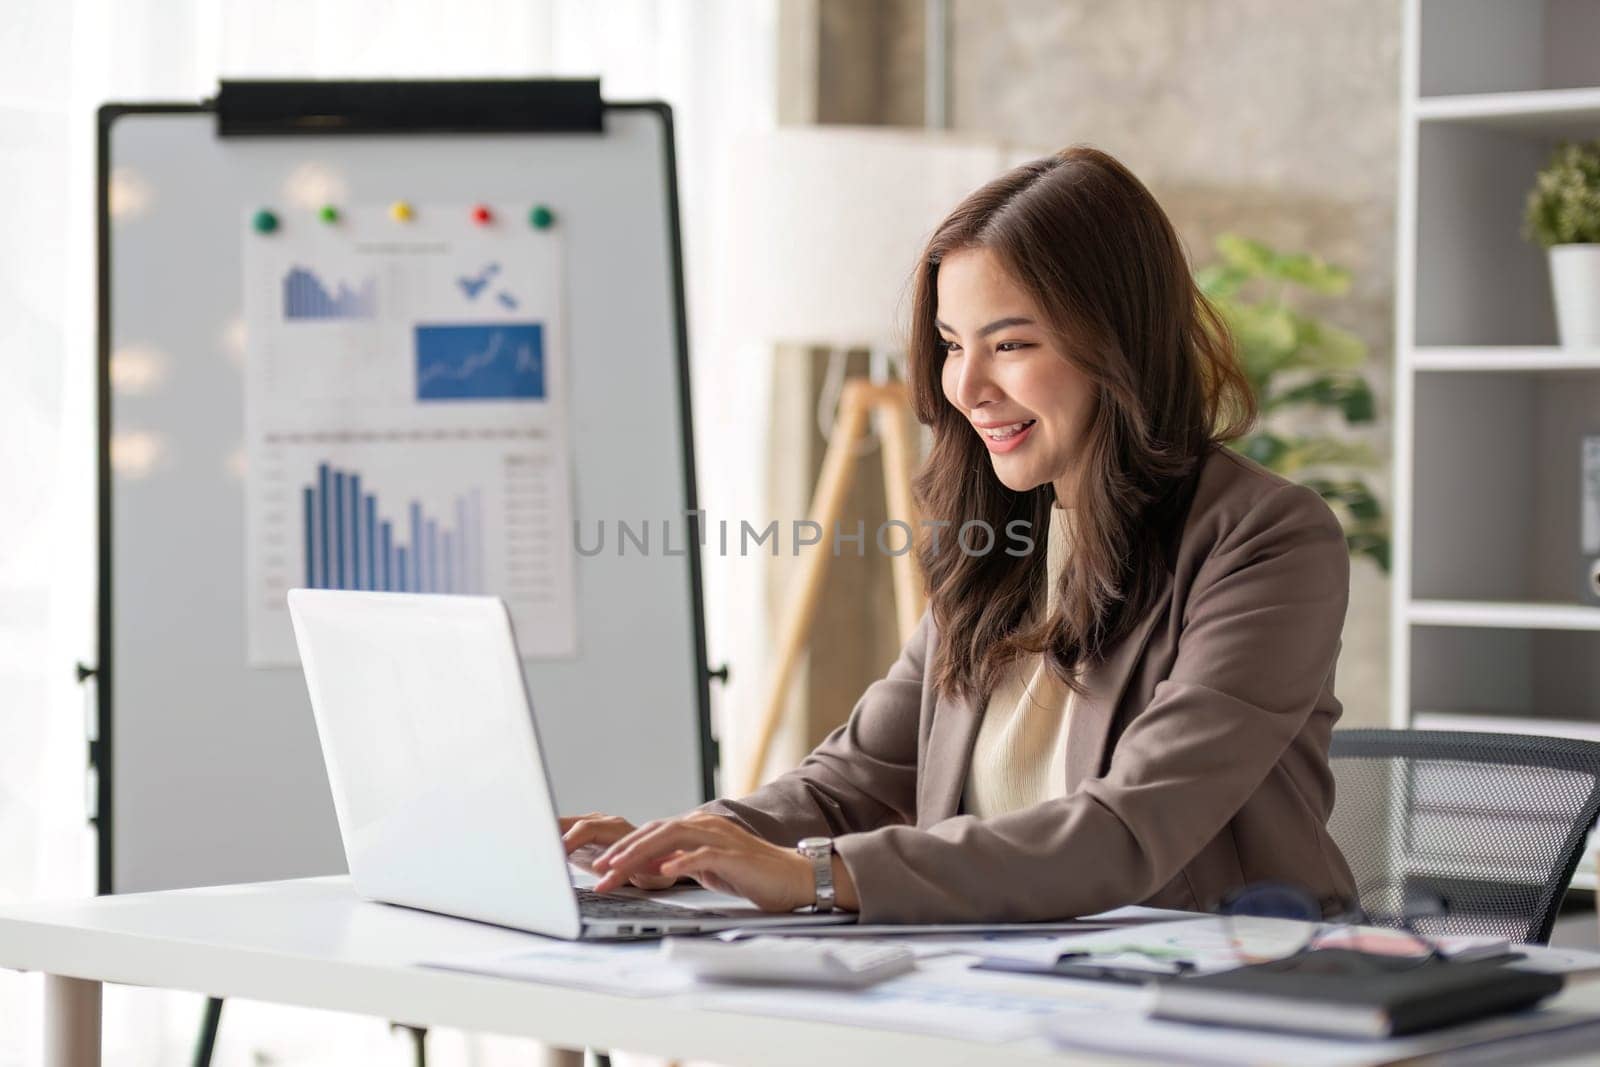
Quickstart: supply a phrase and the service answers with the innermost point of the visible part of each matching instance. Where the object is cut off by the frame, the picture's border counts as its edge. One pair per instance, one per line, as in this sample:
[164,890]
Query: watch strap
[819,850]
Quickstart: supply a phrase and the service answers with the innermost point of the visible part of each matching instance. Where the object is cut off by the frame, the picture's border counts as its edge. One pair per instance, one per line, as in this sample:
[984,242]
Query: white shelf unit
[1491,624]
[1491,627]
[1545,359]
[1504,615]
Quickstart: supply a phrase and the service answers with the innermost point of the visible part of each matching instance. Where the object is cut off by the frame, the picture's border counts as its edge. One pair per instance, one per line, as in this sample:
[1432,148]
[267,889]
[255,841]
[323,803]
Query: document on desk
[1202,946]
[945,999]
[634,970]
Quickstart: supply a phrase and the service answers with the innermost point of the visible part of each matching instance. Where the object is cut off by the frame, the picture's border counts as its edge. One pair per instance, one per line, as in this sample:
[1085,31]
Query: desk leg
[71,1022]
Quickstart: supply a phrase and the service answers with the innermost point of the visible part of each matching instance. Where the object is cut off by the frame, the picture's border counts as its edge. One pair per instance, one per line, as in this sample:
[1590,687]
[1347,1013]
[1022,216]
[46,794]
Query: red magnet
[481,215]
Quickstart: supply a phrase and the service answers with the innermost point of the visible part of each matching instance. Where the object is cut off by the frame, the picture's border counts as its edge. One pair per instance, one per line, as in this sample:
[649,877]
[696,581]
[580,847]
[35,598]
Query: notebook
[1344,993]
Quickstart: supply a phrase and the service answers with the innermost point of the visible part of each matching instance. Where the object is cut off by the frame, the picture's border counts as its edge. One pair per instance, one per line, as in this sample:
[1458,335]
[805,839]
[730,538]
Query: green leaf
[1323,347]
[1563,207]
[1327,451]
[1359,404]
[1252,258]
[1363,505]
[1349,393]
[1265,448]
[1219,281]
[1312,272]
[1269,329]
[1374,546]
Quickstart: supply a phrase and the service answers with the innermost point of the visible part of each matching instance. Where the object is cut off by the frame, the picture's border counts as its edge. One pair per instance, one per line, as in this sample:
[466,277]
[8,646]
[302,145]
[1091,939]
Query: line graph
[502,361]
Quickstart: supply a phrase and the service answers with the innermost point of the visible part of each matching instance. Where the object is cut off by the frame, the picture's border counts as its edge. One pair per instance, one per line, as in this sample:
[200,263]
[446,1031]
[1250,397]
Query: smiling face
[1003,370]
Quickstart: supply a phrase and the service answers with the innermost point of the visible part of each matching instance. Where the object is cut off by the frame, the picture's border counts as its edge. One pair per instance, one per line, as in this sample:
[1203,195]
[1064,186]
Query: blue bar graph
[324,531]
[416,546]
[338,530]
[306,296]
[430,576]
[386,553]
[310,500]
[369,522]
[354,484]
[350,543]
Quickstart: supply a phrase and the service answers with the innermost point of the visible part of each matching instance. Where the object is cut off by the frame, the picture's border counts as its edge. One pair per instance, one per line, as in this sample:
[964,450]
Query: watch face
[814,844]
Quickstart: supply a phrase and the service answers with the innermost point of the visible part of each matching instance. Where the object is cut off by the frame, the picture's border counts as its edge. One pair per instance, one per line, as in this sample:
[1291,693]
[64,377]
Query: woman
[1140,716]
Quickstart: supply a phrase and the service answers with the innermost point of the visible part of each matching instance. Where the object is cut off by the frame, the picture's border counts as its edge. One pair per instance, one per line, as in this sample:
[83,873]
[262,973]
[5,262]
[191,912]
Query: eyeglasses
[1274,921]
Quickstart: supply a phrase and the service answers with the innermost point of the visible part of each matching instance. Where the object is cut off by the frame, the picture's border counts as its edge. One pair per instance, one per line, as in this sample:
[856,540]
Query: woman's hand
[719,854]
[586,836]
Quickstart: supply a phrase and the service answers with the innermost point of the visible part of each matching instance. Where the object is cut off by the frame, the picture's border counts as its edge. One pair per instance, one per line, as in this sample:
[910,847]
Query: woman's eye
[949,346]
[1012,346]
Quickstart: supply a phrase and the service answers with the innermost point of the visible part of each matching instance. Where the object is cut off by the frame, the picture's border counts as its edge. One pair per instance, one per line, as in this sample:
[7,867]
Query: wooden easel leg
[838,468]
[899,460]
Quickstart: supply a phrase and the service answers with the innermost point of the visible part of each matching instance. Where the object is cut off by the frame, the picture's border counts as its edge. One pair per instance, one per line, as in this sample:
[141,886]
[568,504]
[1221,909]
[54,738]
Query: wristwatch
[819,850]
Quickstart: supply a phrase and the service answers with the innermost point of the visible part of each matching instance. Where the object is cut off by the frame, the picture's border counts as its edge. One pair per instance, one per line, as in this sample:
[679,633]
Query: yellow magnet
[402,211]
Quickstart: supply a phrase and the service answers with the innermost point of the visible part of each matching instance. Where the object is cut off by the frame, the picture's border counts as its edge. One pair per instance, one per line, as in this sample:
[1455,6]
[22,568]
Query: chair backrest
[1494,824]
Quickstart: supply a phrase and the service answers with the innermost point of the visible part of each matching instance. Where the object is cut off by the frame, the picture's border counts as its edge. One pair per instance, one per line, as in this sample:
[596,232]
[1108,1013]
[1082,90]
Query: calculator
[789,960]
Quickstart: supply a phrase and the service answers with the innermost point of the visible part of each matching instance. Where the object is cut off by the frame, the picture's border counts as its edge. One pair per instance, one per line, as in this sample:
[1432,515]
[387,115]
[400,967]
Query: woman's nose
[974,385]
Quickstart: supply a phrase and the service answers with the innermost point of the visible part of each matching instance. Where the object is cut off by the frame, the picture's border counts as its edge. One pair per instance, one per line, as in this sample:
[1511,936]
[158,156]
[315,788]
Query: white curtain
[713,60]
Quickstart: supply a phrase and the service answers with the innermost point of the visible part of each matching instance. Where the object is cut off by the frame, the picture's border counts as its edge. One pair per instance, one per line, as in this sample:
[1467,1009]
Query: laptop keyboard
[594,905]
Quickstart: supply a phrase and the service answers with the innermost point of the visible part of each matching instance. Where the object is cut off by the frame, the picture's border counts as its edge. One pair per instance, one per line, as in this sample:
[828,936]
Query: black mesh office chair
[1492,824]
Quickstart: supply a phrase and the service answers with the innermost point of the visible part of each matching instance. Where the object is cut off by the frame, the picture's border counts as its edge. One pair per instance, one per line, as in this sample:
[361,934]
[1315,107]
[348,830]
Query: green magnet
[264,221]
[329,213]
[541,217]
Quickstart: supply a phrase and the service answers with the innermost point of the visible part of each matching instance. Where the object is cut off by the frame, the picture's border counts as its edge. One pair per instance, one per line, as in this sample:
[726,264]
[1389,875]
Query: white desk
[312,942]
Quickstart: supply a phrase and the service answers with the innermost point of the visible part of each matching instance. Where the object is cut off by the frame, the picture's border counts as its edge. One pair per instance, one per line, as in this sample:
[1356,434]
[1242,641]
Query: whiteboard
[209,769]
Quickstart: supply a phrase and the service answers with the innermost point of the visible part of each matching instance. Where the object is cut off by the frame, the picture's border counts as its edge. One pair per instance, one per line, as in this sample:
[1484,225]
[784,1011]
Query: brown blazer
[1197,760]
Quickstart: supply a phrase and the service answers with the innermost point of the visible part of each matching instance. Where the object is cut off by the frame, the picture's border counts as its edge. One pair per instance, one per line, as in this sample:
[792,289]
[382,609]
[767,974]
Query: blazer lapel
[1105,681]
[950,740]
[956,720]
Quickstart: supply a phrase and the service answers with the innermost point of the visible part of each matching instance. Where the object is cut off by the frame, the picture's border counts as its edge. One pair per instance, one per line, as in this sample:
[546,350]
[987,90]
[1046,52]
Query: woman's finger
[627,840]
[599,830]
[714,868]
[648,850]
[692,862]
[567,822]
[653,839]
[713,823]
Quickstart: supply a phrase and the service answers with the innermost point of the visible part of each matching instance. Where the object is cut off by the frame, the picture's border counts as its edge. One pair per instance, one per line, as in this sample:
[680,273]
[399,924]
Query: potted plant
[1563,216]
[1305,373]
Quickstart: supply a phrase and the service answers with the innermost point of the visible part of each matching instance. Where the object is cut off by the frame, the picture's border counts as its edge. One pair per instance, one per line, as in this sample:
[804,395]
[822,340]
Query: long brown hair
[1104,266]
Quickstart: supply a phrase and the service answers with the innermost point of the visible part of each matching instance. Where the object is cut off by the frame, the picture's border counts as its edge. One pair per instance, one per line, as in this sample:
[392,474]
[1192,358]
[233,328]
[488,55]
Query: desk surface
[312,942]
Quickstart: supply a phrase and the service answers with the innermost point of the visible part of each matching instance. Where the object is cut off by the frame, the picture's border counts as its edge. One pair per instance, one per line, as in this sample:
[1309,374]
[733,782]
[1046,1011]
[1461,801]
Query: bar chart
[350,542]
[307,296]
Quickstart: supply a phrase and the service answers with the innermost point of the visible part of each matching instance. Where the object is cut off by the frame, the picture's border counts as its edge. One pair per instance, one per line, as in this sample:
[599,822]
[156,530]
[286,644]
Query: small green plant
[1298,364]
[1564,203]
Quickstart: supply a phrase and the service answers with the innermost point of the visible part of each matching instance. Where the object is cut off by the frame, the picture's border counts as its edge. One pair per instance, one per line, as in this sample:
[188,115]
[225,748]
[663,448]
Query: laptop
[440,784]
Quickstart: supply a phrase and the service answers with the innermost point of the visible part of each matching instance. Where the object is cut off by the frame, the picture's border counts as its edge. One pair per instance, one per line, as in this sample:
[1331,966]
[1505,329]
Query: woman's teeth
[1002,433]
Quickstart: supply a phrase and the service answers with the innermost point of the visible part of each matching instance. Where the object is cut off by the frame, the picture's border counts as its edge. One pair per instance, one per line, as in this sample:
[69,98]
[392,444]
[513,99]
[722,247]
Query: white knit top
[1020,757]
